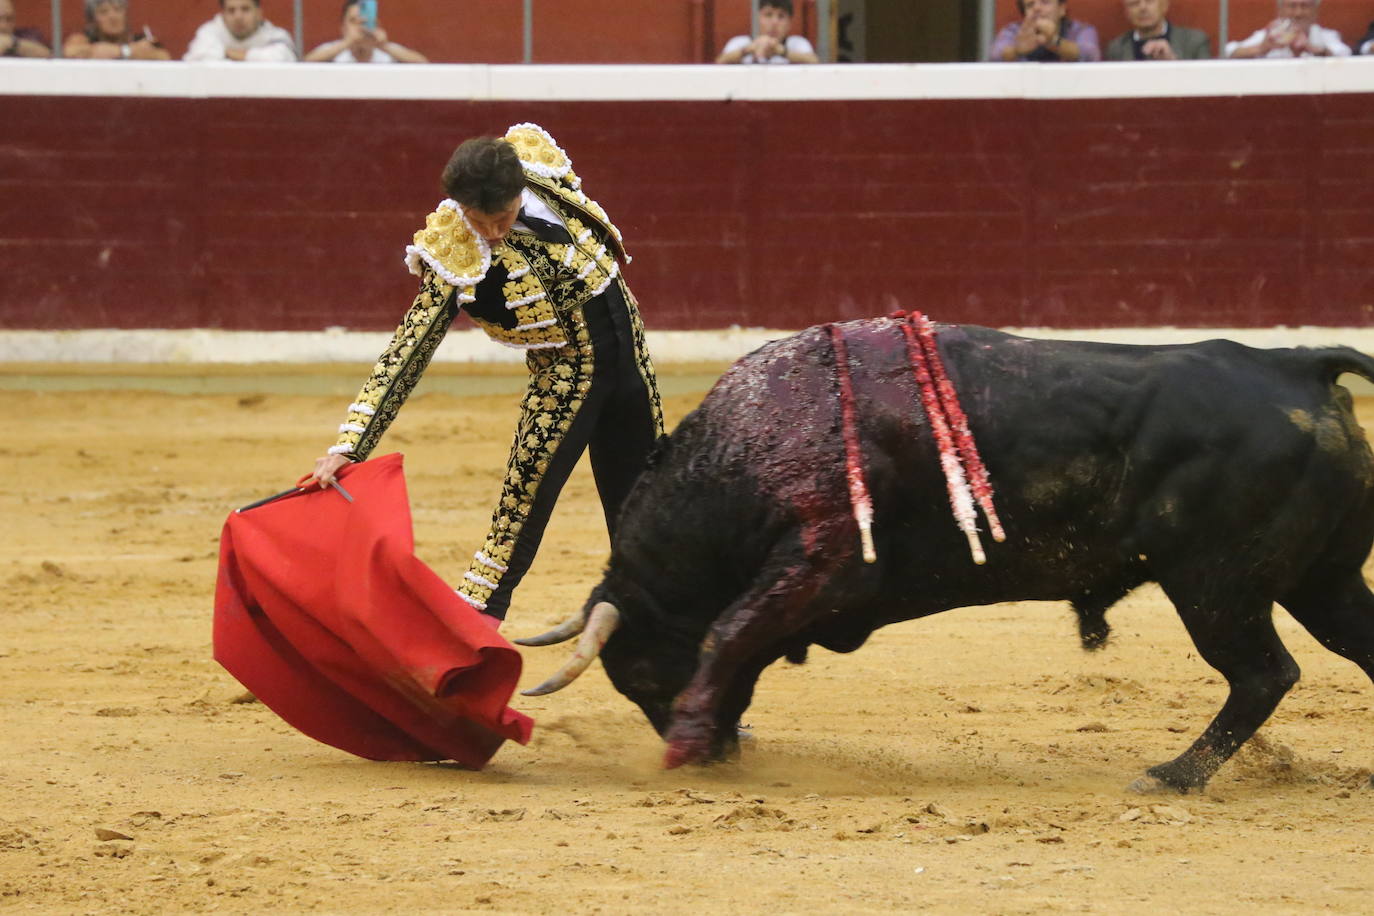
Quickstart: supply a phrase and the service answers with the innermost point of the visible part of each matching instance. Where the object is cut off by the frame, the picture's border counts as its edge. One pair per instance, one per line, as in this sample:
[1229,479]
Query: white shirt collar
[535,207]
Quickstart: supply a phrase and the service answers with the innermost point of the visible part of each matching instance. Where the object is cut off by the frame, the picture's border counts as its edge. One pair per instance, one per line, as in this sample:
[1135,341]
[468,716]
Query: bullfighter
[536,263]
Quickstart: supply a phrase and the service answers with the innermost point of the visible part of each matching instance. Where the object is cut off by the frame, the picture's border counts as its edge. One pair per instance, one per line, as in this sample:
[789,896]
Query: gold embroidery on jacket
[559,381]
[399,368]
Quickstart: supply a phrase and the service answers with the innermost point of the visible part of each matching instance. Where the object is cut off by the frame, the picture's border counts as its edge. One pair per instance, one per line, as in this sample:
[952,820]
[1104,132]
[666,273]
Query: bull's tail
[1333,361]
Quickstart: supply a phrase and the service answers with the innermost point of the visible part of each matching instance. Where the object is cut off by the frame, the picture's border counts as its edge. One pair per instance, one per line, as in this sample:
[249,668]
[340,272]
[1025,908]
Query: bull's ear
[561,633]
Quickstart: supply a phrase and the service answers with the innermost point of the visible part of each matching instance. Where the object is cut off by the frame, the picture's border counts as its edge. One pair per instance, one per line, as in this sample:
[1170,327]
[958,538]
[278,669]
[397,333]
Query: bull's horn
[564,631]
[601,623]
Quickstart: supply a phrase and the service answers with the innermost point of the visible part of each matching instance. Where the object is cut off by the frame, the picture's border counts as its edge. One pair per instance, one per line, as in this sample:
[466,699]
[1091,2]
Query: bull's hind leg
[1237,638]
[1337,608]
[734,651]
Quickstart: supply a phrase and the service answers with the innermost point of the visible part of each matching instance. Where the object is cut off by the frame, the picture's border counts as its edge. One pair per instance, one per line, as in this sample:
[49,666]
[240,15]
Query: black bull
[1231,476]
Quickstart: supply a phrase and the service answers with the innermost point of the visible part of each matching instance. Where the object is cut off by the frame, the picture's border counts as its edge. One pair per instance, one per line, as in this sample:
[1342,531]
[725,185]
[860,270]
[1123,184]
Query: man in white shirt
[773,45]
[240,33]
[1294,33]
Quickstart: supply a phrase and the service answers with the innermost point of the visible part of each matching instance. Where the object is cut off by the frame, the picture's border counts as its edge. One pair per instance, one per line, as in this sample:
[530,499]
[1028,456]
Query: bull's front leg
[740,644]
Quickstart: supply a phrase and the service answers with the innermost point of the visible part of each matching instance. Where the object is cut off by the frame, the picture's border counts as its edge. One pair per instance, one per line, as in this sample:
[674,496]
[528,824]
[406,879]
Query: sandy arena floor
[973,762]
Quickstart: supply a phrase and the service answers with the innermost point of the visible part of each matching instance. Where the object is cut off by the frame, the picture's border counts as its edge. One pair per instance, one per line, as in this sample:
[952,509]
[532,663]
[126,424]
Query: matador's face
[494,226]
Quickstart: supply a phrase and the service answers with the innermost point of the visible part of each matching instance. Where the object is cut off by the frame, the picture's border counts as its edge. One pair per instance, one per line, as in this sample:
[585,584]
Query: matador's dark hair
[484,174]
[784,5]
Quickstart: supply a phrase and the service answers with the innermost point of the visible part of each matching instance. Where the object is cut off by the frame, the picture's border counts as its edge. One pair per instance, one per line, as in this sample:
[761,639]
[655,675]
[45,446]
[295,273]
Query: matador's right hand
[325,468]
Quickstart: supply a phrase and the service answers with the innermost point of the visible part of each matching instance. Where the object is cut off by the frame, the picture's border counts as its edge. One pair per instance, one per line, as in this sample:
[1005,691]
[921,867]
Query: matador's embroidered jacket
[521,292]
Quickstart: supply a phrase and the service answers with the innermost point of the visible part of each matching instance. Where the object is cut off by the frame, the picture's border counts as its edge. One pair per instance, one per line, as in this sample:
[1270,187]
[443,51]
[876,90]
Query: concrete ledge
[204,361]
[201,346]
[687,82]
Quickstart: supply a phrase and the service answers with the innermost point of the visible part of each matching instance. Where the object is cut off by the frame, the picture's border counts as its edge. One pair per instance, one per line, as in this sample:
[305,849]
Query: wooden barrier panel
[292,213]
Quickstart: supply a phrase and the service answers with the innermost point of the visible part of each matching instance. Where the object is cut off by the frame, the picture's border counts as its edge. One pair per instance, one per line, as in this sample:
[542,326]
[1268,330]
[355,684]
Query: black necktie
[545,230]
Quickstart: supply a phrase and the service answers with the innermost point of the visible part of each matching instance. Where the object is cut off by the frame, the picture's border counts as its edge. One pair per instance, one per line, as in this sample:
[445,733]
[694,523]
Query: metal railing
[527,27]
[987,24]
[298,10]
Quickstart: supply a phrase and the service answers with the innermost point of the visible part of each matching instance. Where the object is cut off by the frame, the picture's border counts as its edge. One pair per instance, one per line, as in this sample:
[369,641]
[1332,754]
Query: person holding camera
[363,41]
[1045,34]
[107,36]
[1154,37]
[1294,33]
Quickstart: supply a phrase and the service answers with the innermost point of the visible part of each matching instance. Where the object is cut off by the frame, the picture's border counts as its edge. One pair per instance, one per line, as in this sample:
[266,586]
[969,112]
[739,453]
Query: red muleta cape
[323,611]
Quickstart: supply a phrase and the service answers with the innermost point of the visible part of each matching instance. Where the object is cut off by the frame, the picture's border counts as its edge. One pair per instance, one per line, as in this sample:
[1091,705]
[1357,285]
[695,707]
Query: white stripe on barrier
[688,82]
[199,346]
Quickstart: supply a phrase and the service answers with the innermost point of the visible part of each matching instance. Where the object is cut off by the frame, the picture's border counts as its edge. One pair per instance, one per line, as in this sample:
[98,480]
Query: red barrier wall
[292,214]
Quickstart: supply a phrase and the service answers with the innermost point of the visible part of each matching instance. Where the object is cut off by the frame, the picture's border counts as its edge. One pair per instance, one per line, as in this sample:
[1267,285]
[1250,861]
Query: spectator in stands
[1154,37]
[1045,33]
[362,45]
[772,45]
[107,35]
[1294,33]
[19,42]
[240,32]
[1365,44]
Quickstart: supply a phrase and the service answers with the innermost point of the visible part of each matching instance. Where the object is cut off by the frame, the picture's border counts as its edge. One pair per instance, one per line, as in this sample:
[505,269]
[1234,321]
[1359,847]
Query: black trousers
[598,392]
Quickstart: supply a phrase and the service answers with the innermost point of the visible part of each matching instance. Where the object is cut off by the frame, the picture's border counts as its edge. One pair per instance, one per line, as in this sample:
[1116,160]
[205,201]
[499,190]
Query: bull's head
[647,668]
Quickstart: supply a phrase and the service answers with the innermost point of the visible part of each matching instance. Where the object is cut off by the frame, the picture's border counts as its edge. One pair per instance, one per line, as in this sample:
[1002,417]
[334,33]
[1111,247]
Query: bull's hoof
[1167,779]
[1148,785]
